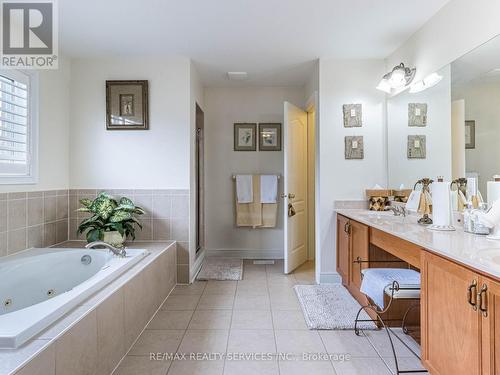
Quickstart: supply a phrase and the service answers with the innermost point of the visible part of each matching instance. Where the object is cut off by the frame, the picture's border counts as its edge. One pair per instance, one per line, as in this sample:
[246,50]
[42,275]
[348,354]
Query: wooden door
[490,326]
[360,242]
[343,248]
[451,326]
[295,186]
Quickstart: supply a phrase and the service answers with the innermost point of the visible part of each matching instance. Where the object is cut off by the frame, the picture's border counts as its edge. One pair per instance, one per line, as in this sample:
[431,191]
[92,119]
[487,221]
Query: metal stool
[397,283]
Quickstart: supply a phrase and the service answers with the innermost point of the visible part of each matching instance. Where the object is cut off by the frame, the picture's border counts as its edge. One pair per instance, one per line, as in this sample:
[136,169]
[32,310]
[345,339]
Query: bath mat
[330,307]
[221,269]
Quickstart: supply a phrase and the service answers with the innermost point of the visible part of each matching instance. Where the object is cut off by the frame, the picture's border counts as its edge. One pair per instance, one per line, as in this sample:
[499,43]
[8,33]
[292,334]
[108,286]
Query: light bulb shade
[432,79]
[417,87]
[398,79]
[429,81]
[384,86]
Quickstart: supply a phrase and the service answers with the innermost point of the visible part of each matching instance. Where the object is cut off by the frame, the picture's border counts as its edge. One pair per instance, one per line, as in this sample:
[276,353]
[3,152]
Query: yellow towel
[250,214]
[269,215]
[256,214]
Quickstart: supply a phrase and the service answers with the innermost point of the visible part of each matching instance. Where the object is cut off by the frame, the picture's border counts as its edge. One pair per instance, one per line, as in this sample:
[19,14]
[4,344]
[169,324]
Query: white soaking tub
[39,286]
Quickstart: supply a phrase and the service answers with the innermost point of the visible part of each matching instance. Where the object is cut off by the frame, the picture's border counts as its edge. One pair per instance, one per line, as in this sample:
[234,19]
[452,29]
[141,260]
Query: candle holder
[425,204]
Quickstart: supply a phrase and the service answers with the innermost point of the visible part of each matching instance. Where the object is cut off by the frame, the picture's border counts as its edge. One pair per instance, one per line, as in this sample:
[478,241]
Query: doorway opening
[200,179]
[300,191]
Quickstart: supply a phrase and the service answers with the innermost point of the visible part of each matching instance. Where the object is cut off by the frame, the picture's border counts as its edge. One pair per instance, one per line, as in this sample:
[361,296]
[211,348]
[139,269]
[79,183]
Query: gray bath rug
[221,269]
[330,307]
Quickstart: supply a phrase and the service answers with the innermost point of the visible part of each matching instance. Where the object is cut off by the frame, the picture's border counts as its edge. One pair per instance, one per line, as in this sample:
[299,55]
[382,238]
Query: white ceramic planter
[114,238]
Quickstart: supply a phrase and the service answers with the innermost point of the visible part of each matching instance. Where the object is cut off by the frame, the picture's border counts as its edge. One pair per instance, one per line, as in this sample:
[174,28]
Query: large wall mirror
[475,91]
[419,140]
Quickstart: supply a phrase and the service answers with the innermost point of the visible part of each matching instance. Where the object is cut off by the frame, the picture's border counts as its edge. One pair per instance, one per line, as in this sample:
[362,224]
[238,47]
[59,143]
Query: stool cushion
[377,281]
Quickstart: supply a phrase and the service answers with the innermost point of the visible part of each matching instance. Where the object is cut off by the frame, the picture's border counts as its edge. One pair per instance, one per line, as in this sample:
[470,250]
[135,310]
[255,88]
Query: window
[18,127]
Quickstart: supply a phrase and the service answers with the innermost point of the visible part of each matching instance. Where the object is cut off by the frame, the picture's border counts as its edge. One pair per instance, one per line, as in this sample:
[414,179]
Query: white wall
[481,105]
[402,170]
[53,147]
[157,158]
[345,82]
[224,107]
[459,27]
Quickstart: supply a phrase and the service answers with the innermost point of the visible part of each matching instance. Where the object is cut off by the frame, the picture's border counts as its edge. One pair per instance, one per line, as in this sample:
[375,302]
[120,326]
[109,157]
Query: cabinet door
[343,248]
[451,328]
[490,326]
[360,242]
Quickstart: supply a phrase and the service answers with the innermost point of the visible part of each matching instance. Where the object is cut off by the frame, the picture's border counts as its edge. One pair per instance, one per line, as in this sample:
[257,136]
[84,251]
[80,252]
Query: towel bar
[278,175]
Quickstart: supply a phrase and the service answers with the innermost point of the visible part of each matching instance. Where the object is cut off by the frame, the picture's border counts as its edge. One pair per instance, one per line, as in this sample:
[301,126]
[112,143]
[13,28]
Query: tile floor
[259,314]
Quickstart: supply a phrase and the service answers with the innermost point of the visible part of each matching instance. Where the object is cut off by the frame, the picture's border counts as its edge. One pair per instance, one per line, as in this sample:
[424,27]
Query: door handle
[483,302]
[472,294]
[289,196]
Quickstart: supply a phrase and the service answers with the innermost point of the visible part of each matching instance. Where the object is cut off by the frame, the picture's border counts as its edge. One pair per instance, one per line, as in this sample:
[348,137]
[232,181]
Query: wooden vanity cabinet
[353,241]
[343,248]
[490,325]
[460,319]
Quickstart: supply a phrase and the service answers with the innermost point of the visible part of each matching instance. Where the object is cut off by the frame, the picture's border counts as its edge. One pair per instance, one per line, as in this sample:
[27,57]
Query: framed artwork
[245,137]
[417,147]
[417,114]
[352,115]
[127,105]
[354,148]
[470,134]
[270,137]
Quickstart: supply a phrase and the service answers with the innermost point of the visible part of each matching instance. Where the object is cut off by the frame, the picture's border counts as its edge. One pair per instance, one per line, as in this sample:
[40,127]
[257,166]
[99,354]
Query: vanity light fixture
[429,81]
[399,77]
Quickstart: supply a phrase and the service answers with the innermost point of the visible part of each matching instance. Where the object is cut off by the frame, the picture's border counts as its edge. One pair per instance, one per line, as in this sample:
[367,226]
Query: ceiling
[478,66]
[275,41]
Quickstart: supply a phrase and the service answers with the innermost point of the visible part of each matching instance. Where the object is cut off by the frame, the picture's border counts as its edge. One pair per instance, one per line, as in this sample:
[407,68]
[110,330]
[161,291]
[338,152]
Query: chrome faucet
[399,210]
[120,252]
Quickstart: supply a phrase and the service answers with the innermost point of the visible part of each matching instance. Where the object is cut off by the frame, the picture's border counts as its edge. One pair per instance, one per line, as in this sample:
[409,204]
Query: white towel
[268,188]
[244,189]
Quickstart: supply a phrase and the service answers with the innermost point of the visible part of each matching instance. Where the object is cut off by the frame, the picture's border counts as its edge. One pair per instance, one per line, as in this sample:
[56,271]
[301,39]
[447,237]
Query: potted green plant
[110,220]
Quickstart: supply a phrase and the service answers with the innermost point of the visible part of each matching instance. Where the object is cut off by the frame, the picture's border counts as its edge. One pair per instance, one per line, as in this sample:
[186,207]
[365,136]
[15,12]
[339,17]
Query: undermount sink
[489,257]
[387,216]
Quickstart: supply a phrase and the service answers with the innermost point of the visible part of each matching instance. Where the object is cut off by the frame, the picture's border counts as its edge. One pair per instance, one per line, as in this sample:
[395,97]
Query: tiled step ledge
[93,338]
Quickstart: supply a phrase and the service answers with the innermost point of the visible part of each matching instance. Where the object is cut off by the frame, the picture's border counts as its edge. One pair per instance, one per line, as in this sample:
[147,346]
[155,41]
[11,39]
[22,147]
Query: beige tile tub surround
[33,219]
[166,218]
[94,337]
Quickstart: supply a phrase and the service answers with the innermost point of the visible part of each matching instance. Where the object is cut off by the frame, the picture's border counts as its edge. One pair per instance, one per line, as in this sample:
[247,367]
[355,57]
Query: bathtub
[39,286]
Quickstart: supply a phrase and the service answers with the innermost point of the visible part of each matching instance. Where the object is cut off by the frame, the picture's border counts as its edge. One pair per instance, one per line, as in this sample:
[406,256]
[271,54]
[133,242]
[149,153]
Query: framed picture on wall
[127,105]
[470,134]
[269,137]
[245,137]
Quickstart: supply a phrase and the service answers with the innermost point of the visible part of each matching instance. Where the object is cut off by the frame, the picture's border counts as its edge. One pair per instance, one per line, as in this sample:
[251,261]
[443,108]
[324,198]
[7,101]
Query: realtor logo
[29,35]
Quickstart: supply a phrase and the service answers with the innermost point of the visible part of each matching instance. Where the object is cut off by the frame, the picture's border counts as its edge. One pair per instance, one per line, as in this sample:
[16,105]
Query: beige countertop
[472,250]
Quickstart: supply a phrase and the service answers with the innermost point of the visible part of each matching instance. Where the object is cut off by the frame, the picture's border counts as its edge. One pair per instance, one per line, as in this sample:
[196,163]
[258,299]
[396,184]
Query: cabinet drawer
[402,249]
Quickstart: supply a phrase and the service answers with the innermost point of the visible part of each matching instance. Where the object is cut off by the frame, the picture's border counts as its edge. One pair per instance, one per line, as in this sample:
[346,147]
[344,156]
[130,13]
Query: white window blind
[16,128]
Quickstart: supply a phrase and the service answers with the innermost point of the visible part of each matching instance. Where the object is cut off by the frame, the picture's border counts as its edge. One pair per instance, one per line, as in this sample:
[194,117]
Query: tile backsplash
[33,219]
[166,218]
[46,218]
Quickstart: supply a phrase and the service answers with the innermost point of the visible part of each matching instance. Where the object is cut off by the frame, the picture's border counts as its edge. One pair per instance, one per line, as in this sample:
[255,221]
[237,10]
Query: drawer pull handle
[483,302]
[471,294]
[347,228]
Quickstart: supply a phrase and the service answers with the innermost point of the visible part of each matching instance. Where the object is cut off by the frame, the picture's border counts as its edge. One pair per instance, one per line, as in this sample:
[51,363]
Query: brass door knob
[290,196]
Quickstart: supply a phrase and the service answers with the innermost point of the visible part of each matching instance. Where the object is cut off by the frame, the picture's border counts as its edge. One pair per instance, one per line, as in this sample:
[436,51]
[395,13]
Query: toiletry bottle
[468,223]
[478,227]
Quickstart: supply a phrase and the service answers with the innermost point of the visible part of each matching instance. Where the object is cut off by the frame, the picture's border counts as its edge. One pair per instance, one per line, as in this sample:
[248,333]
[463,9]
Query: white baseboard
[246,253]
[329,278]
